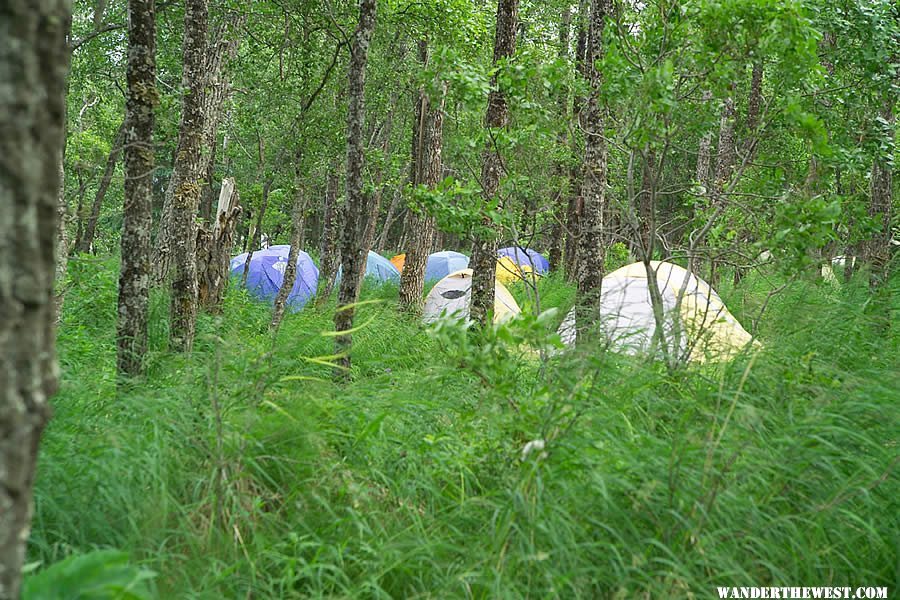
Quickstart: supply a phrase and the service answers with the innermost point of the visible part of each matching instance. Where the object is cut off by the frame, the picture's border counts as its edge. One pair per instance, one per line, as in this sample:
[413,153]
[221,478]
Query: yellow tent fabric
[704,327]
[398,261]
[507,270]
[450,298]
[510,272]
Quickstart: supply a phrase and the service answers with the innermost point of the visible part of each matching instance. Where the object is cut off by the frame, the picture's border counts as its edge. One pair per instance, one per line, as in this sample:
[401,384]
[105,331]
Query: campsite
[439,299]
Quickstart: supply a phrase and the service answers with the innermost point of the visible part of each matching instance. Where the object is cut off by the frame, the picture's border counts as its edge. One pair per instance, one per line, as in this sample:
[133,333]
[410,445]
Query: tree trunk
[389,221]
[704,155]
[754,101]
[877,248]
[560,203]
[379,186]
[484,251]
[748,147]
[428,171]
[290,271]
[186,175]
[62,215]
[353,247]
[214,246]
[255,236]
[134,278]
[86,242]
[576,173]
[200,87]
[590,250]
[34,63]
[329,250]
[223,47]
[646,206]
[725,153]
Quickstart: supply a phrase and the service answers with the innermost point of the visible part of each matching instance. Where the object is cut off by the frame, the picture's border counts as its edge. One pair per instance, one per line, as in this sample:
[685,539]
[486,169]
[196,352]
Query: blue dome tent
[266,275]
[378,268]
[526,257]
[441,264]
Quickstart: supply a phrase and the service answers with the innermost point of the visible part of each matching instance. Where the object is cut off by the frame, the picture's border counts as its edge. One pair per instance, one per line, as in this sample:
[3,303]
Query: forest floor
[242,471]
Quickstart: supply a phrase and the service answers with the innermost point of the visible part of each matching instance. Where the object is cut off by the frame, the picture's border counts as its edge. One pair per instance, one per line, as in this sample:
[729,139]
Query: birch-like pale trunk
[34,62]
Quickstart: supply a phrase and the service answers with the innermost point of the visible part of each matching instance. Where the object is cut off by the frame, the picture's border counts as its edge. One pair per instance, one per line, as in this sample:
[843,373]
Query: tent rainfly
[450,298]
[510,272]
[441,264]
[266,275]
[378,268]
[706,330]
[526,257]
[398,261]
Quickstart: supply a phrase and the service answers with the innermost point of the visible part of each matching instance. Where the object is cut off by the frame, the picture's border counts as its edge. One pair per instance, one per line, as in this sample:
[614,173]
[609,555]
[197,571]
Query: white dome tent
[706,330]
[450,298]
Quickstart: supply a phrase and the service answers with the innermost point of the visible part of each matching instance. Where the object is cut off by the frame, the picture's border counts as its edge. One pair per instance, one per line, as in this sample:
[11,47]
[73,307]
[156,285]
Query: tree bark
[428,170]
[62,216]
[86,241]
[353,247]
[877,248]
[186,186]
[722,173]
[724,152]
[561,171]
[222,48]
[388,221]
[134,278]
[198,85]
[290,272]
[214,246]
[576,172]
[34,61]
[484,251]
[591,252]
[704,157]
[646,205]
[329,250]
[255,235]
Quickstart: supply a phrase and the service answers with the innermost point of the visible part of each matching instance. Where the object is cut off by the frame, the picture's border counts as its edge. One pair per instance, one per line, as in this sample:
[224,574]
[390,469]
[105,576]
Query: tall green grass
[243,471]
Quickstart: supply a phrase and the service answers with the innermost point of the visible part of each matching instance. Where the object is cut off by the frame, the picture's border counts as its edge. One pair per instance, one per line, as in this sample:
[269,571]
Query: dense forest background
[204,444]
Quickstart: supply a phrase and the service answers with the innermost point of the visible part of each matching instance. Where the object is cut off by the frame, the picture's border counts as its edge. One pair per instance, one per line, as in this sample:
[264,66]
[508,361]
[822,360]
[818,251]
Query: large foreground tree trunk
[484,251]
[357,211]
[590,250]
[34,61]
[427,167]
[134,279]
[86,241]
[186,186]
